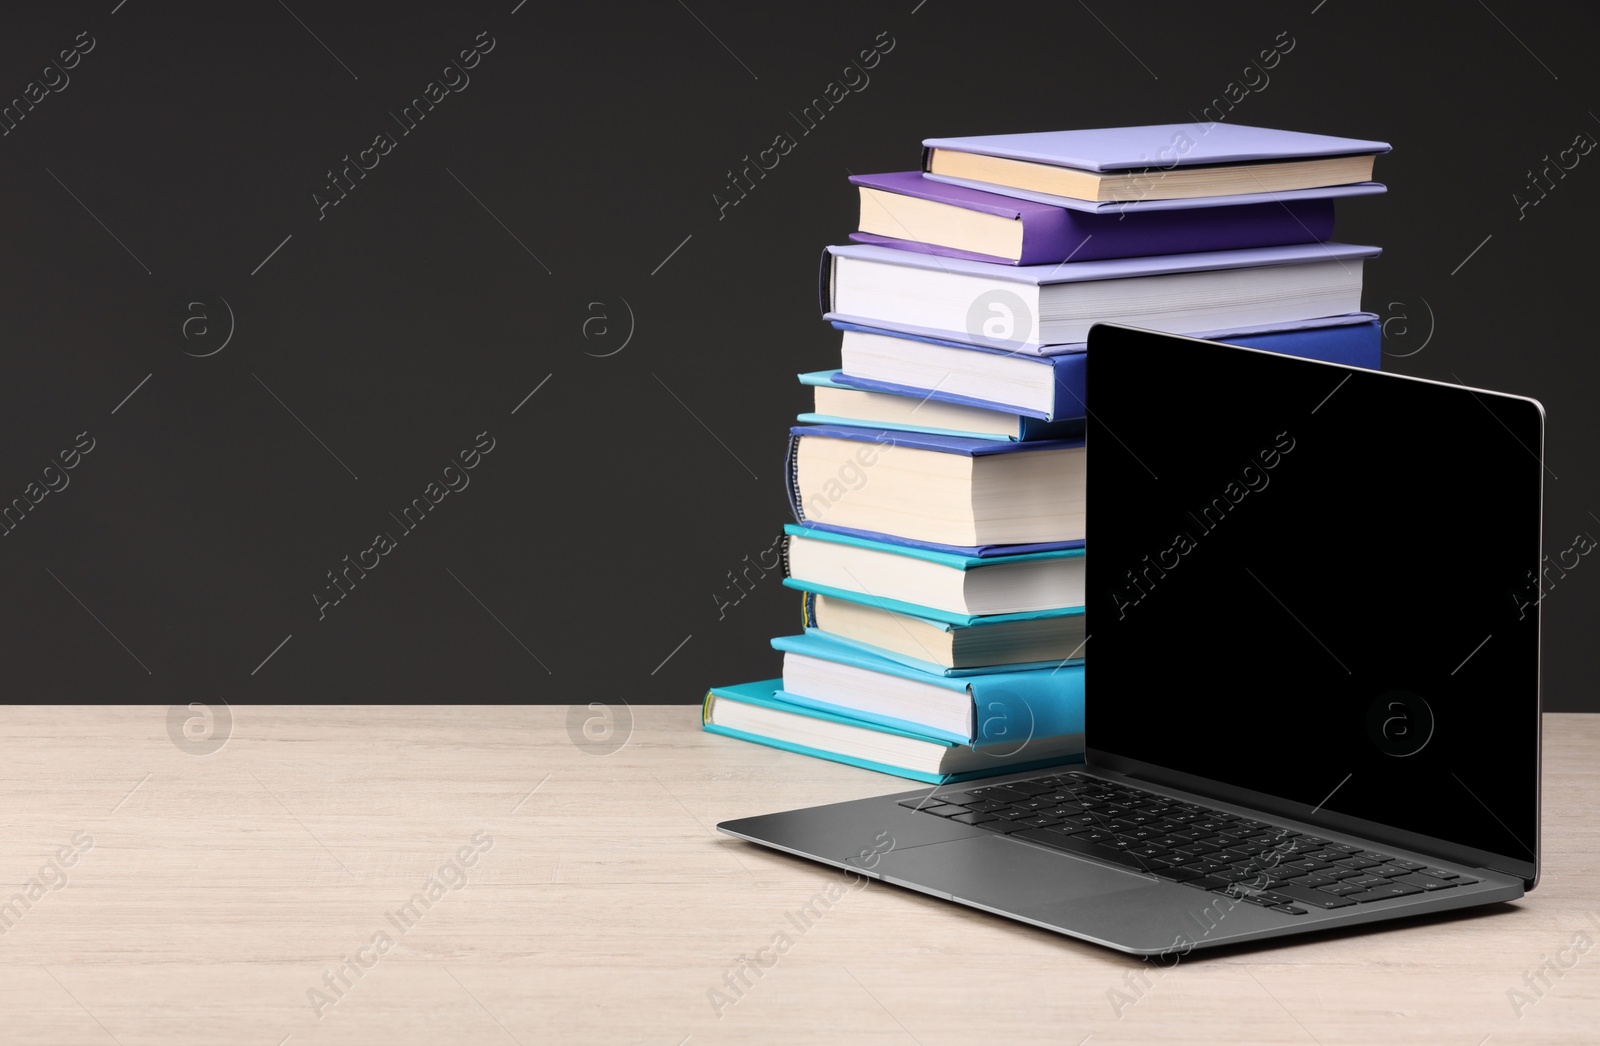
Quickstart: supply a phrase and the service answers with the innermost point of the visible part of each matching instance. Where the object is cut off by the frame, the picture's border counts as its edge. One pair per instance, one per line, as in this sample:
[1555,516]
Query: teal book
[975,710]
[762,713]
[995,643]
[932,583]
[840,403]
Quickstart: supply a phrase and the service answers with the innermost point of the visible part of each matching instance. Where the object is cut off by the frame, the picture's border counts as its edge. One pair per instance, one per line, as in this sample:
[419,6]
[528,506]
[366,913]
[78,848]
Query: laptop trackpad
[1002,873]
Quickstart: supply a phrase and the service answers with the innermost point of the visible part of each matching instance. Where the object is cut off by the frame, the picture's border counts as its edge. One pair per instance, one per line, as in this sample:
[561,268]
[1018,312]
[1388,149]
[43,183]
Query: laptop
[1314,701]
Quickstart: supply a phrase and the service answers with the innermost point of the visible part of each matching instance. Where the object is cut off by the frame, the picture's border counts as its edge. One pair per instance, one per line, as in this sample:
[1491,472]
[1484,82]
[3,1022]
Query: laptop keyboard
[1266,865]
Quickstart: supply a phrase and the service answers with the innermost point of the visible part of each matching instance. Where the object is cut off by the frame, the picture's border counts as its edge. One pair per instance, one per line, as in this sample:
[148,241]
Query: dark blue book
[1052,388]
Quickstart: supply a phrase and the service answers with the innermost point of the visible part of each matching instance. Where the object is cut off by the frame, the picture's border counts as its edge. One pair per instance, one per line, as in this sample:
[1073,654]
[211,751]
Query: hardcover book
[941,489]
[1052,388]
[977,709]
[910,212]
[930,582]
[758,712]
[1155,162]
[995,643]
[1044,309]
[840,403]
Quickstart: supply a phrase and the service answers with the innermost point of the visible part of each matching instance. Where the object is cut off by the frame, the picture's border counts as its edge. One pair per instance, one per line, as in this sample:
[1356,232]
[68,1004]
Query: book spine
[825,282]
[808,609]
[1356,344]
[1087,236]
[1071,387]
[791,472]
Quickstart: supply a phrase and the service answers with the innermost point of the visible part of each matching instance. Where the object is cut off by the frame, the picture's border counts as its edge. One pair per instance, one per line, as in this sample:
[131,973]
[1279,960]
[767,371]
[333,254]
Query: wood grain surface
[258,895]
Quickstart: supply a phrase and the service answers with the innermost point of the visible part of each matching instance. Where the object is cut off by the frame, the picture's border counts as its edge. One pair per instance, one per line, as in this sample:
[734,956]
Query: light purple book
[1051,233]
[955,298]
[1160,146]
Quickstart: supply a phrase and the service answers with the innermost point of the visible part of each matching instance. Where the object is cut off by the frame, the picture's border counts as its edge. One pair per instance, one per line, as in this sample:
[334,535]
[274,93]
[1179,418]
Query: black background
[579,166]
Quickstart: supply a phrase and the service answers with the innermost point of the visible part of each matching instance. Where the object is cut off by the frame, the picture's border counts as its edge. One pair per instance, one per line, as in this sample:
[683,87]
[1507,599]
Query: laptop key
[944,811]
[1383,893]
[1288,909]
[1198,848]
[1176,858]
[1437,873]
[1425,882]
[1000,825]
[1248,849]
[1367,881]
[1177,873]
[1075,844]
[1357,863]
[1030,787]
[972,818]
[1341,873]
[1314,898]
[1343,889]
[999,792]
[1208,883]
[921,802]
[1193,833]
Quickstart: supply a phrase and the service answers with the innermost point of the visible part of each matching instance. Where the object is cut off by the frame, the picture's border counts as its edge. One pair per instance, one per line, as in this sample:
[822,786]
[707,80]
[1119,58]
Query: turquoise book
[932,583]
[993,643]
[840,403]
[976,709]
[762,713]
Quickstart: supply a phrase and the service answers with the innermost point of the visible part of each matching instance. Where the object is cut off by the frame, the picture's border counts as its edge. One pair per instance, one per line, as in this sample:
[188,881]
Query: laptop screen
[1318,584]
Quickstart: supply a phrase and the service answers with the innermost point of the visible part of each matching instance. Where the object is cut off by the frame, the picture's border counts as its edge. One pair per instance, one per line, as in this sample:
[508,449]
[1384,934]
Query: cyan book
[892,408]
[984,644]
[761,713]
[882,573]
[983,708]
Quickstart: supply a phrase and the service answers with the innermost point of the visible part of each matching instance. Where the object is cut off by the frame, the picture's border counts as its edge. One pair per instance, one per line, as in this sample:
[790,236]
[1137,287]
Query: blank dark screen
[1317,583]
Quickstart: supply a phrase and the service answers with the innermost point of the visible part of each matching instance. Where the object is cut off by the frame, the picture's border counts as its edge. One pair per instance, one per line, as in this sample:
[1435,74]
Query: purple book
[1053,234]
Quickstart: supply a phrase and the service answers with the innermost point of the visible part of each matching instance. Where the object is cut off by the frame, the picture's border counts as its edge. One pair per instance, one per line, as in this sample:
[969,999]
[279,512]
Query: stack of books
[938,485]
